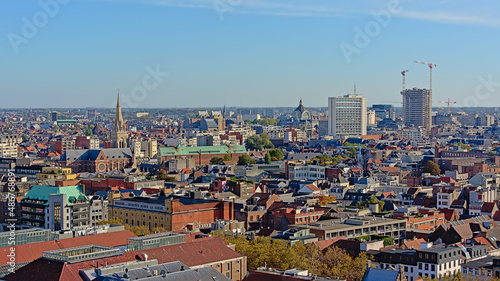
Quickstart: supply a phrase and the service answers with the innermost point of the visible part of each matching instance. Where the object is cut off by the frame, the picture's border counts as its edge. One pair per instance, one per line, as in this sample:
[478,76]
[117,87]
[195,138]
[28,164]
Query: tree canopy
[216,160]
[276,154]
[245,160]
[268,158]
[261,142]
[432,168]
[332,262]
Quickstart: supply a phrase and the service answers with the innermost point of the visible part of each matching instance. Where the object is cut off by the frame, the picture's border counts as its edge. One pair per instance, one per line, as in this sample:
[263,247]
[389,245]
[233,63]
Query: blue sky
[264,53]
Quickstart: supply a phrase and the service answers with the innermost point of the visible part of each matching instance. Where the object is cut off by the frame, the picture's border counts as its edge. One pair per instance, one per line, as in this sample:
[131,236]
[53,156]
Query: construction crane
[404,79]
[430,65]
[447,102]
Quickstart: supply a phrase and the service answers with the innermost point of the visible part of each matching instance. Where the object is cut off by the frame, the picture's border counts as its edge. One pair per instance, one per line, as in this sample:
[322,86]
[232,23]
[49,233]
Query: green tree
[268,158]
[163,175]
[88,132]
[266,122]
[332,262]
[216,160]
[261,142]
[245,160]
[464,146]
[228,157]
[276,154]
[432,168]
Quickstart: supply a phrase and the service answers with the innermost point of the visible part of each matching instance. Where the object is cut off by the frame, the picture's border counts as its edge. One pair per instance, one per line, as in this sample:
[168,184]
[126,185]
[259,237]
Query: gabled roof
[488,207]
[415,244]
[93,154]
[487,242]
[323,244]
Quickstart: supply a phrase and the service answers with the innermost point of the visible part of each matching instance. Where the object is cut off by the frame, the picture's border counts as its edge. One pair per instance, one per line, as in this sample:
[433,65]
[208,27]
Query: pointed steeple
[119,134]
[119,124]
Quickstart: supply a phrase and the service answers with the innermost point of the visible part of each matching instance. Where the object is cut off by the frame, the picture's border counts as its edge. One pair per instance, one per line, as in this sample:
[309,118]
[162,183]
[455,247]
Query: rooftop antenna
[355,88]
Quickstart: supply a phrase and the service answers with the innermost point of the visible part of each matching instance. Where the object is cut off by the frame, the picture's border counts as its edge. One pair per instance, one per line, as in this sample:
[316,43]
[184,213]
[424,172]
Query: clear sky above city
[262,53]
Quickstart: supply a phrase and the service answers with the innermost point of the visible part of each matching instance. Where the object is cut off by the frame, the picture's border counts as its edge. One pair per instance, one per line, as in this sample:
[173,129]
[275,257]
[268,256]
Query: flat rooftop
[339,224]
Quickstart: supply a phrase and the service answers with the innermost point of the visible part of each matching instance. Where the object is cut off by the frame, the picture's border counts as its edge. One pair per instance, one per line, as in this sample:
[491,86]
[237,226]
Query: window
[227,266]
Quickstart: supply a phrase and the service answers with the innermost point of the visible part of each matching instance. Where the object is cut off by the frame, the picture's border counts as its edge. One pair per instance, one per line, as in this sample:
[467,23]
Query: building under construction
[417,107]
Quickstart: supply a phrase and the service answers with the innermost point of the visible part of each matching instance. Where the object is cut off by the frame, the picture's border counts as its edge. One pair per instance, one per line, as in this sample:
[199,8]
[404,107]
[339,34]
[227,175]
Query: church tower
[119,134]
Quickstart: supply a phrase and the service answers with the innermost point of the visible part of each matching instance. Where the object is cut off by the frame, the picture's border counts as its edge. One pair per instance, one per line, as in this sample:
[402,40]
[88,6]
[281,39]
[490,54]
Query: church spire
[119,133]
[119,124]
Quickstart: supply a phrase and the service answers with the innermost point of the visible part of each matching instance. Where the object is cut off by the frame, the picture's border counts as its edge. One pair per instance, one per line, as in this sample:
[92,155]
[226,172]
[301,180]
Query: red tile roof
[199,252]
[323,244]
[488,207]
[30,252]
[484,241]
[415,244]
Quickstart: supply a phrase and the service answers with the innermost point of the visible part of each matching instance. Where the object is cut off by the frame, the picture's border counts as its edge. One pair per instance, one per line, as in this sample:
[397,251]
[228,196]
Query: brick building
[425,220]
[170,213]
[97,160]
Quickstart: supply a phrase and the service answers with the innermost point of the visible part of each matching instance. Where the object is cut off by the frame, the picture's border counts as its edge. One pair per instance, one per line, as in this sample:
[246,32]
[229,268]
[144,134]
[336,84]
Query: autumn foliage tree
[432,168]
[263,251]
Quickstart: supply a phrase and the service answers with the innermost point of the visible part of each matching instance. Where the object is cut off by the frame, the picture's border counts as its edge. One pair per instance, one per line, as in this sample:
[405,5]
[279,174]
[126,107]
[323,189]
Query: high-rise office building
[54,116]
[417,107]
[383,111]
[347,116]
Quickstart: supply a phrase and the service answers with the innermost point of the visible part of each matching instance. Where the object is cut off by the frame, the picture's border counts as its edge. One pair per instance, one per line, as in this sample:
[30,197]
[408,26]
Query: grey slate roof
[377,274]
[92,154]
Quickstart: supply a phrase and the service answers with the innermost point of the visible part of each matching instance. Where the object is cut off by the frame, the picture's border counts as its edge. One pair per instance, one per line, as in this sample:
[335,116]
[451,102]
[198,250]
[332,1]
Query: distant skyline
[244,53]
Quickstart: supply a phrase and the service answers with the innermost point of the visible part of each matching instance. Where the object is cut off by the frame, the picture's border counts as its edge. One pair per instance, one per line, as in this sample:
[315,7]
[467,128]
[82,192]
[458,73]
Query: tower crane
[430,65]
[404,79]
[447,102]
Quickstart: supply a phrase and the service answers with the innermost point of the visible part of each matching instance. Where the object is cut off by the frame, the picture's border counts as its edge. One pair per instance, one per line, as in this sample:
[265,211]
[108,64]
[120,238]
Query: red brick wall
[206,213]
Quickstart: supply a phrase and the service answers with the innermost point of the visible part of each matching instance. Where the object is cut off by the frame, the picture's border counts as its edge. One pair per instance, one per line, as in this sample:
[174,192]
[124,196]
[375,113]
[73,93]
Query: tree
[245,160]
[276,154]
[162,175]
[265,122]
[216,160]
[332,262]
[268,158]
[432,168]
[228,157]
[88,132]
[261,142]
[464,146]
